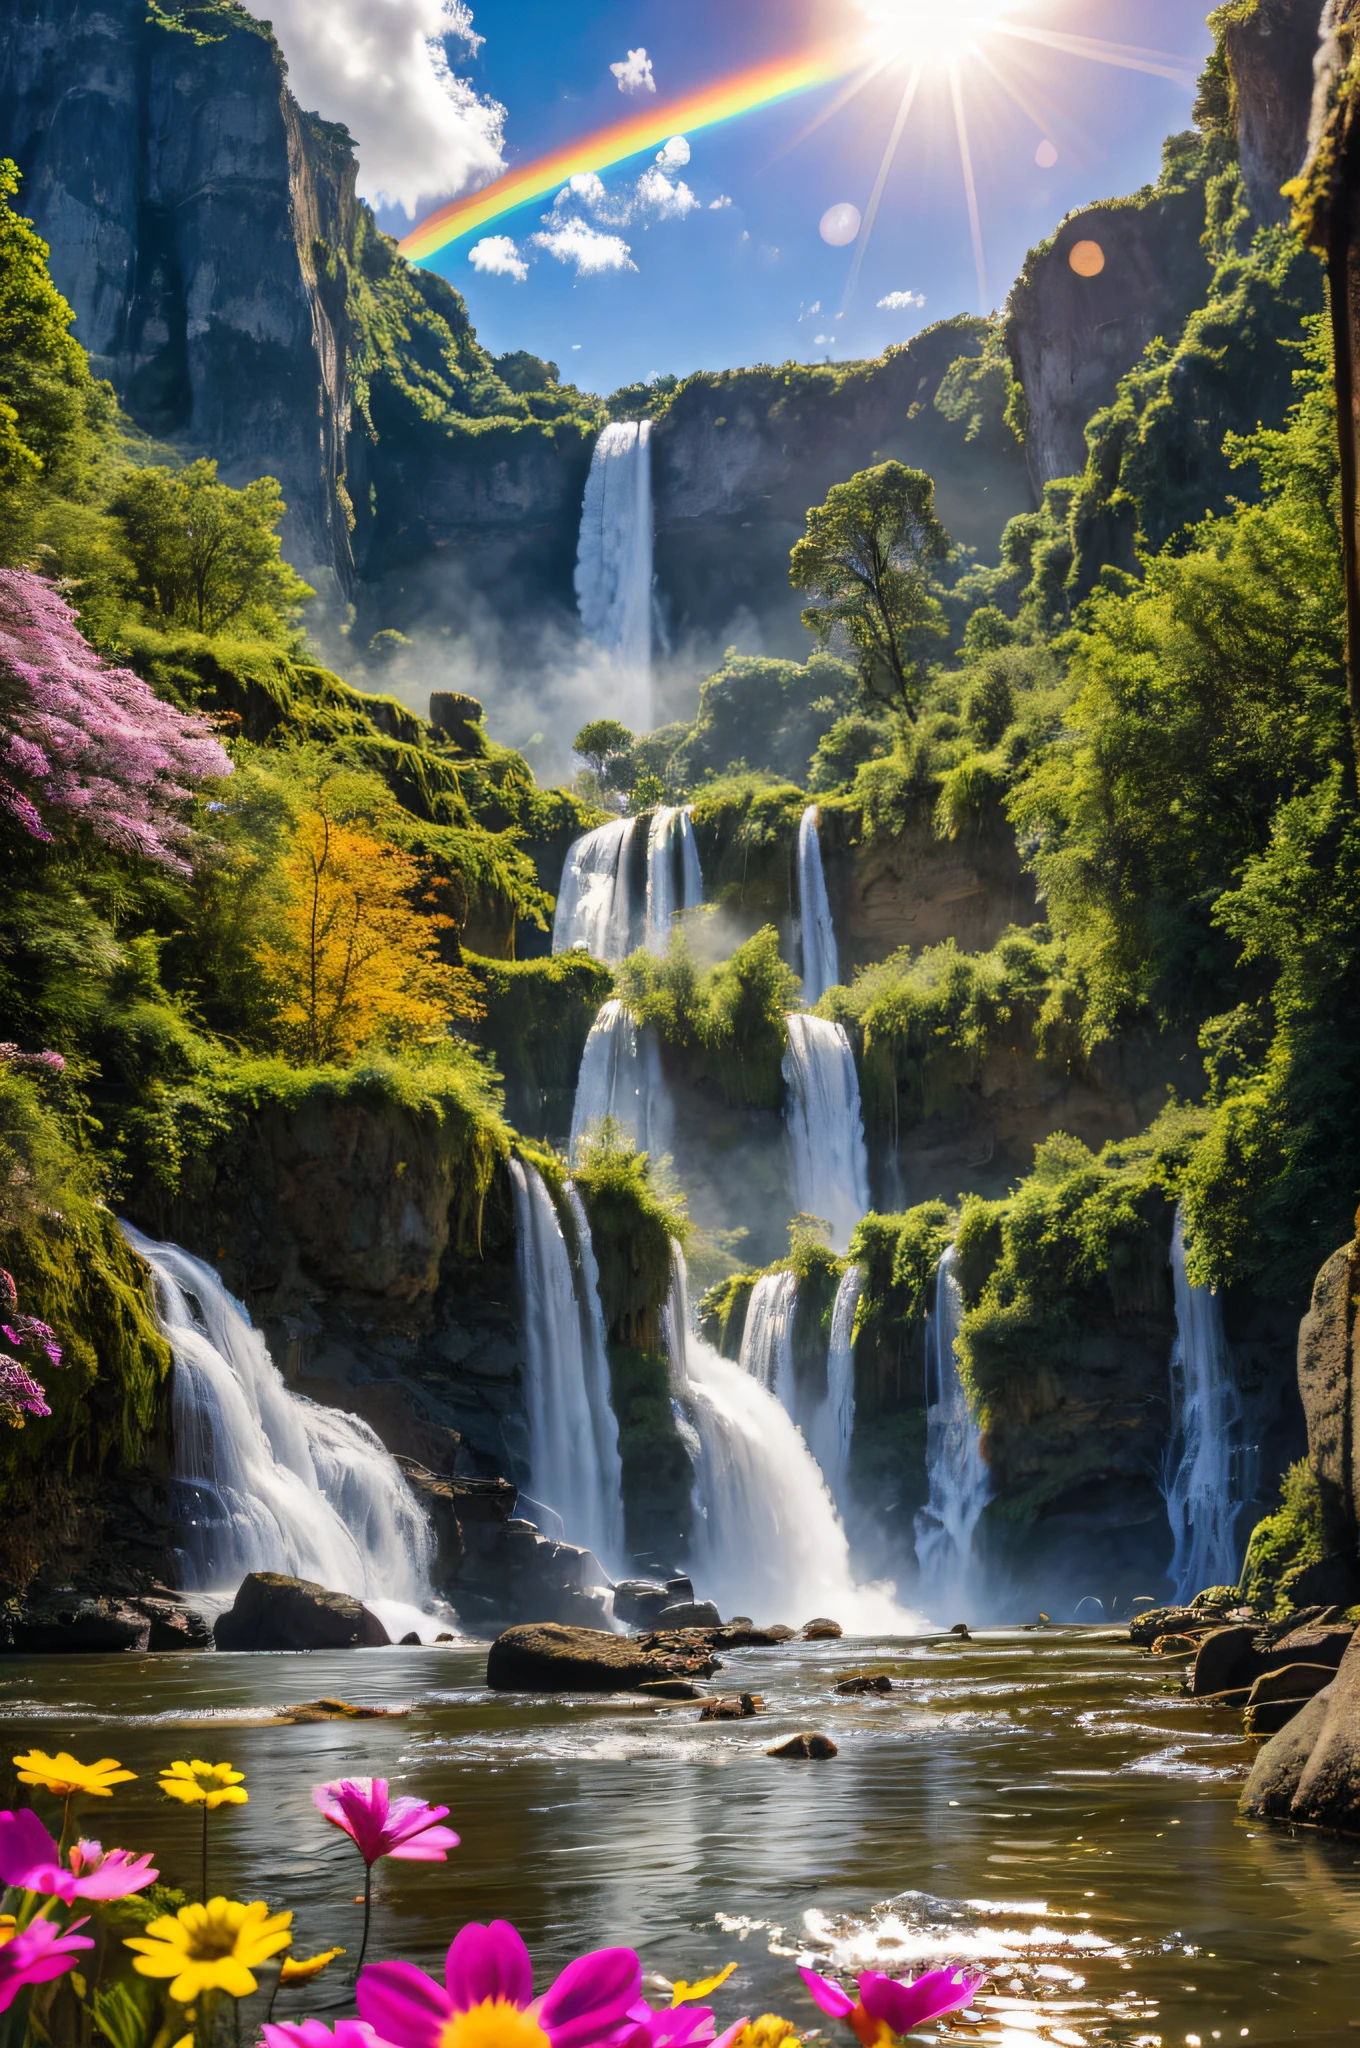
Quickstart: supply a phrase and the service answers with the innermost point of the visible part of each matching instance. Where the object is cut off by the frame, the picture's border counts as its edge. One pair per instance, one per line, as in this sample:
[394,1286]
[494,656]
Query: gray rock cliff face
[1270,56]
[1328,1359]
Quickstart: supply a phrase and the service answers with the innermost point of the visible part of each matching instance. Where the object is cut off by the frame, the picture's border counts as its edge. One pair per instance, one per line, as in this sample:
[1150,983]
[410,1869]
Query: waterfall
[767,1337]
[273,1482]
[594,902]
[614,561]
[768,1541]
[821,957]
[691,874]
[1202,1498]
[674,881]
[573,1437]
[960,1484]
[826,1129]
[621,1077]
[833,1426]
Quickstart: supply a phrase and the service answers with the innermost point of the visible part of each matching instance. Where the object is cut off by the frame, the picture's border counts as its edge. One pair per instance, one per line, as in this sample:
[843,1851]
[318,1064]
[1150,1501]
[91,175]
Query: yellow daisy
[297,1969]
[62,1774]
[200,1784]
[211,1948]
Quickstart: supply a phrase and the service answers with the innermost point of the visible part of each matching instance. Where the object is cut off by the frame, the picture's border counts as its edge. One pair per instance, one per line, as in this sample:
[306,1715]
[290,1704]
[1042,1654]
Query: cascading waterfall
[768,1541]
[270,1481]
[674,881]
[595,909]
[621,1077]
[960,1484]
[614,561]
[767,1337]
[573,1437]
[833,1426]
[825,1126]
[1202,1496]
[821,956]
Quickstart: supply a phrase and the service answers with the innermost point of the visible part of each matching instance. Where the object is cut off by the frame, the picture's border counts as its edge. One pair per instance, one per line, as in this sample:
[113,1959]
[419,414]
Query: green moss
[1283,1545]
[722,1313]
[727,1025]
[538,1017]
[746,827]
[632,1227]
[899,1256]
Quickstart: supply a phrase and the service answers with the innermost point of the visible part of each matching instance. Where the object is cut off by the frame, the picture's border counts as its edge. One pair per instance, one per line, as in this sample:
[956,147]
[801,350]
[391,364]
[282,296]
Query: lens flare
[933,31]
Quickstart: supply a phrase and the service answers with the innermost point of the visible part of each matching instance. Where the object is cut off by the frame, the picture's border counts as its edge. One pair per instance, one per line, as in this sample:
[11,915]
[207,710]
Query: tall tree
[207,556]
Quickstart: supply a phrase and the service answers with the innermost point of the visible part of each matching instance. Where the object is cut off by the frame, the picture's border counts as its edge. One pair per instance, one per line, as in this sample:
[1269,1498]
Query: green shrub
[1284,1544]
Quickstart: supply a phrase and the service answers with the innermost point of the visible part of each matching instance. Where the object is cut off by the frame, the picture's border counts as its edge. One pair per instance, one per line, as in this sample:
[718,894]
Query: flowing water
[573,1437]
[833,1426]
[767,1336]
[960,1484]
[268,1481]
[1047,1804]
[621,1077]
[614,563]
[594,902]
[825,1126]
[821,957]
[1202,1498]
[674,881]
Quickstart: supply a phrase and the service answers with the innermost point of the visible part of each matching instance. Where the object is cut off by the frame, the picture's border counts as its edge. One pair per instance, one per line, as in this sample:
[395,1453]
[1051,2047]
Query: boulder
[688,1614]
[1329,1788]
[274,1612]
[680,1588]
[1327,1359]
[1226,1657]
[1269,1791]
[1268,1717]
[638,1603]
[671,1689]
[737,1707]
[548,1657]
[821,1630]
[174,1627]
[440,1502]
[878,1681]
[307,1712]
[737,1635]
[71,1625]
[1174,1646]
[808,1747]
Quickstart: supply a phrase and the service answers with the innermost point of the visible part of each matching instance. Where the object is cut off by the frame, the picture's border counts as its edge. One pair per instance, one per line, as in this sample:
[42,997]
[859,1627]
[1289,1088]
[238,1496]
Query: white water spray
[621,1077]
[1206,1415]
[833,1426]
[768,1541]
[767,1336]
[674,881]
[614,562]
[573,1437]
[273,1482]
[594,902]
[825,1126]
[821,956]
[960,1484]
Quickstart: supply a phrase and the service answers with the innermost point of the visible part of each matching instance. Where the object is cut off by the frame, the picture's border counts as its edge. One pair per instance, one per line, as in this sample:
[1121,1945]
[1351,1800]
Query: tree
[601,743]
[356,962]
[866,558]
[207,556]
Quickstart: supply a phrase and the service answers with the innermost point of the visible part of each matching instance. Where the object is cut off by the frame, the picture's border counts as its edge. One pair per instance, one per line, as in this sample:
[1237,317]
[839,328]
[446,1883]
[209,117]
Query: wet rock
[1269,1791]
[808,1747]
[274,1612]
[551,1658]
[75,1626]
[510,1573]
[671,1689]
[680,1588]
[410,1642]
[1226,1656]
[439,1500]
[1314,1646]
[1163,1621]
[445,1637]
[736,1707]
[877,1681]
[780,1632]
[1268,1717]
[689,1614]
[1290,1682]
[822,1630]
[638,1603]
[174,1627]
[741,1635]
[962,1631]
[1174,1646]
[1329,1789]
[310,1711]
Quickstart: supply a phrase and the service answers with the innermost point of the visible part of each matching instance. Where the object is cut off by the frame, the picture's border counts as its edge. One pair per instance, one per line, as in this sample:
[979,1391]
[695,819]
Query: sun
[934,32]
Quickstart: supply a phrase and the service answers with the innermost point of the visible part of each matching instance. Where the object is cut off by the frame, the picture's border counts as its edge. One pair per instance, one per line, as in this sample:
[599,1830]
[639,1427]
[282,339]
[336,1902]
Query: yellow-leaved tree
[356,961]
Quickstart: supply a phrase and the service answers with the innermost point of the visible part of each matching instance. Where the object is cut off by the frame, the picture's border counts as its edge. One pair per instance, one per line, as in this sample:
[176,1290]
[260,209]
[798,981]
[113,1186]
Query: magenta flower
[315,2034]
[31,1861]
[379,1825]
[487,1997]
[36,1956]
[680,2026]
[887,2006]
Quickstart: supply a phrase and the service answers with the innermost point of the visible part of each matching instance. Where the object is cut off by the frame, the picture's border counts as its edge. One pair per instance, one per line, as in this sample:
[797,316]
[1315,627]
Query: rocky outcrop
[583,1660]
[1270,49]
[272,1611]
[1328,1365]
[1310,1771]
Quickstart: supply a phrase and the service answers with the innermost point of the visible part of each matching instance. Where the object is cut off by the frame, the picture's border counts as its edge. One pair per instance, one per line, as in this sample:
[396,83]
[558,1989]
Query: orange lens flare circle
[1087,259]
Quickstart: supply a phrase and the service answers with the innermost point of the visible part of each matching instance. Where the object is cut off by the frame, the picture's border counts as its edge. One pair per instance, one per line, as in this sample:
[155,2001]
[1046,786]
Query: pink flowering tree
[84,743]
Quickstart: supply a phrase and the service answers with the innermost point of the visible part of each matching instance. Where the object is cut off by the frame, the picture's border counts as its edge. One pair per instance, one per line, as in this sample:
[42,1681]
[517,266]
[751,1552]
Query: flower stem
[368,1908]
[203,1867]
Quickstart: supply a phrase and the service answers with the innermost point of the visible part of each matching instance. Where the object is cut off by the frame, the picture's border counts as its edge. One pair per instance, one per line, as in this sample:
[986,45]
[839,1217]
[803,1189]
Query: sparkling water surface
[1047,1804]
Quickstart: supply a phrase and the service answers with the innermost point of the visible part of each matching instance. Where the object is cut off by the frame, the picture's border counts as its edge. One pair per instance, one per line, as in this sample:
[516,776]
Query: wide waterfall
[271,1482]
[821,956]
[768,1541]
[1202,1498]
[614,562]
[767,1338]
[573,1437]
[621,1077]
[825,1126]
[960,1484]
[595,909]
[833,1425]
[674,881]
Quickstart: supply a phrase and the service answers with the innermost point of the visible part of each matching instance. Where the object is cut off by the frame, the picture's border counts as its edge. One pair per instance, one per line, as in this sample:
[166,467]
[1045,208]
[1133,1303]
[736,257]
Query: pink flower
[315,2034]
[682,2026]
[489,1983]
[31,1861]
[887,2006]
[36,1956]
[378,1825]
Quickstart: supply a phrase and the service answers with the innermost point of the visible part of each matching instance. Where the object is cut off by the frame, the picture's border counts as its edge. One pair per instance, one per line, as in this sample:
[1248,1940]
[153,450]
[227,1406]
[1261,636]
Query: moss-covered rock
[1285,1546]
[538,1015]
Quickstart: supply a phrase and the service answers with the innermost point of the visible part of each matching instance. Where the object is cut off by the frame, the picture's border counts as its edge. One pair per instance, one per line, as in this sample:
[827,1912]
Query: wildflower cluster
[20,1394]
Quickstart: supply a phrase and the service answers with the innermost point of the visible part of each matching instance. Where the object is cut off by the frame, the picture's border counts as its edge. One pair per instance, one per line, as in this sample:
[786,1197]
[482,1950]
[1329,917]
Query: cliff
[1269,48]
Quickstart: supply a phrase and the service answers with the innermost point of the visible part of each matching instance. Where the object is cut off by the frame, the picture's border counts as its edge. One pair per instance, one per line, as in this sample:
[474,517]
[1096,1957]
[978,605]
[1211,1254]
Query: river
[1046,1802]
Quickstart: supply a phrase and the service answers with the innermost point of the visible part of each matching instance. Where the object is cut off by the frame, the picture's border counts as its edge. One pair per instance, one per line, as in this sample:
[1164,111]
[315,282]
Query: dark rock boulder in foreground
[1310,1771]
[549,1657]
[806,1748]
[274,1612]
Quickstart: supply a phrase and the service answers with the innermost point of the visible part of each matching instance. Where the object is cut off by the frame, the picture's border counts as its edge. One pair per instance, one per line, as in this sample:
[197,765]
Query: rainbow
[762,86]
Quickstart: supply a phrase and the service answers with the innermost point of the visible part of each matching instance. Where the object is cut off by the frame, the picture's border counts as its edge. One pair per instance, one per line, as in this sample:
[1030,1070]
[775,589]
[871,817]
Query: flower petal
[827,1995]
[904,2006]
[590,1992]
[488,1962]
[402,2004]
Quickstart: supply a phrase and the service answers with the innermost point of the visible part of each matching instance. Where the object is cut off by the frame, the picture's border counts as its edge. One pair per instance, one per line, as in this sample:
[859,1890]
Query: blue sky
[740,284]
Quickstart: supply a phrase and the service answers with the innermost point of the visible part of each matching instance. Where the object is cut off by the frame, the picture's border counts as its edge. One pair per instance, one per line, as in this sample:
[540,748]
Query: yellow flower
[297,1969]
[211,1948]
[768,2032]
[689,1994]
[63,1775]
[200,1784]
[9,1927]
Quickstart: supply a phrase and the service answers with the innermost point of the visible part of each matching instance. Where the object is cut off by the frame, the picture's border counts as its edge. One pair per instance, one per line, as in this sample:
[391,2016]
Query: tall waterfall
[833,1426]
[768,1541]
[767,1338]
[594,903]
[272,1482]
[821,956]
[621,1077]
[825,1126]
[573,1437]
[614,562]
[1201,1470]
[674,881]
[960,1484]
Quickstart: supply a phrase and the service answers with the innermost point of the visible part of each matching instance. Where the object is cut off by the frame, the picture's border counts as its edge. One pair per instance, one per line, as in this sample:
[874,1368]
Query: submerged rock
[877,1681]
[311,1711]
[550,1657]
[735,1707]
[274,1612]
[808,1747]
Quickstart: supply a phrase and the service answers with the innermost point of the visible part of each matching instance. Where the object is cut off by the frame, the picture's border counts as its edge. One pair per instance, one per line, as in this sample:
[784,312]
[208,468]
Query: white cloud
[902,302]
[592,253]
[497,256]
[809,311]
[656,194]
[635,72]
[820,340]
[587,186]
[717,205]
[674,154]
[381,67]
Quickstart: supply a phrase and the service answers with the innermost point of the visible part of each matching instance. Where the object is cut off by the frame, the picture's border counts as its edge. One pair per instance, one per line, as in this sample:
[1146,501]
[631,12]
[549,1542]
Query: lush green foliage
[727,1023]
[1284,1545]
[205,556]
